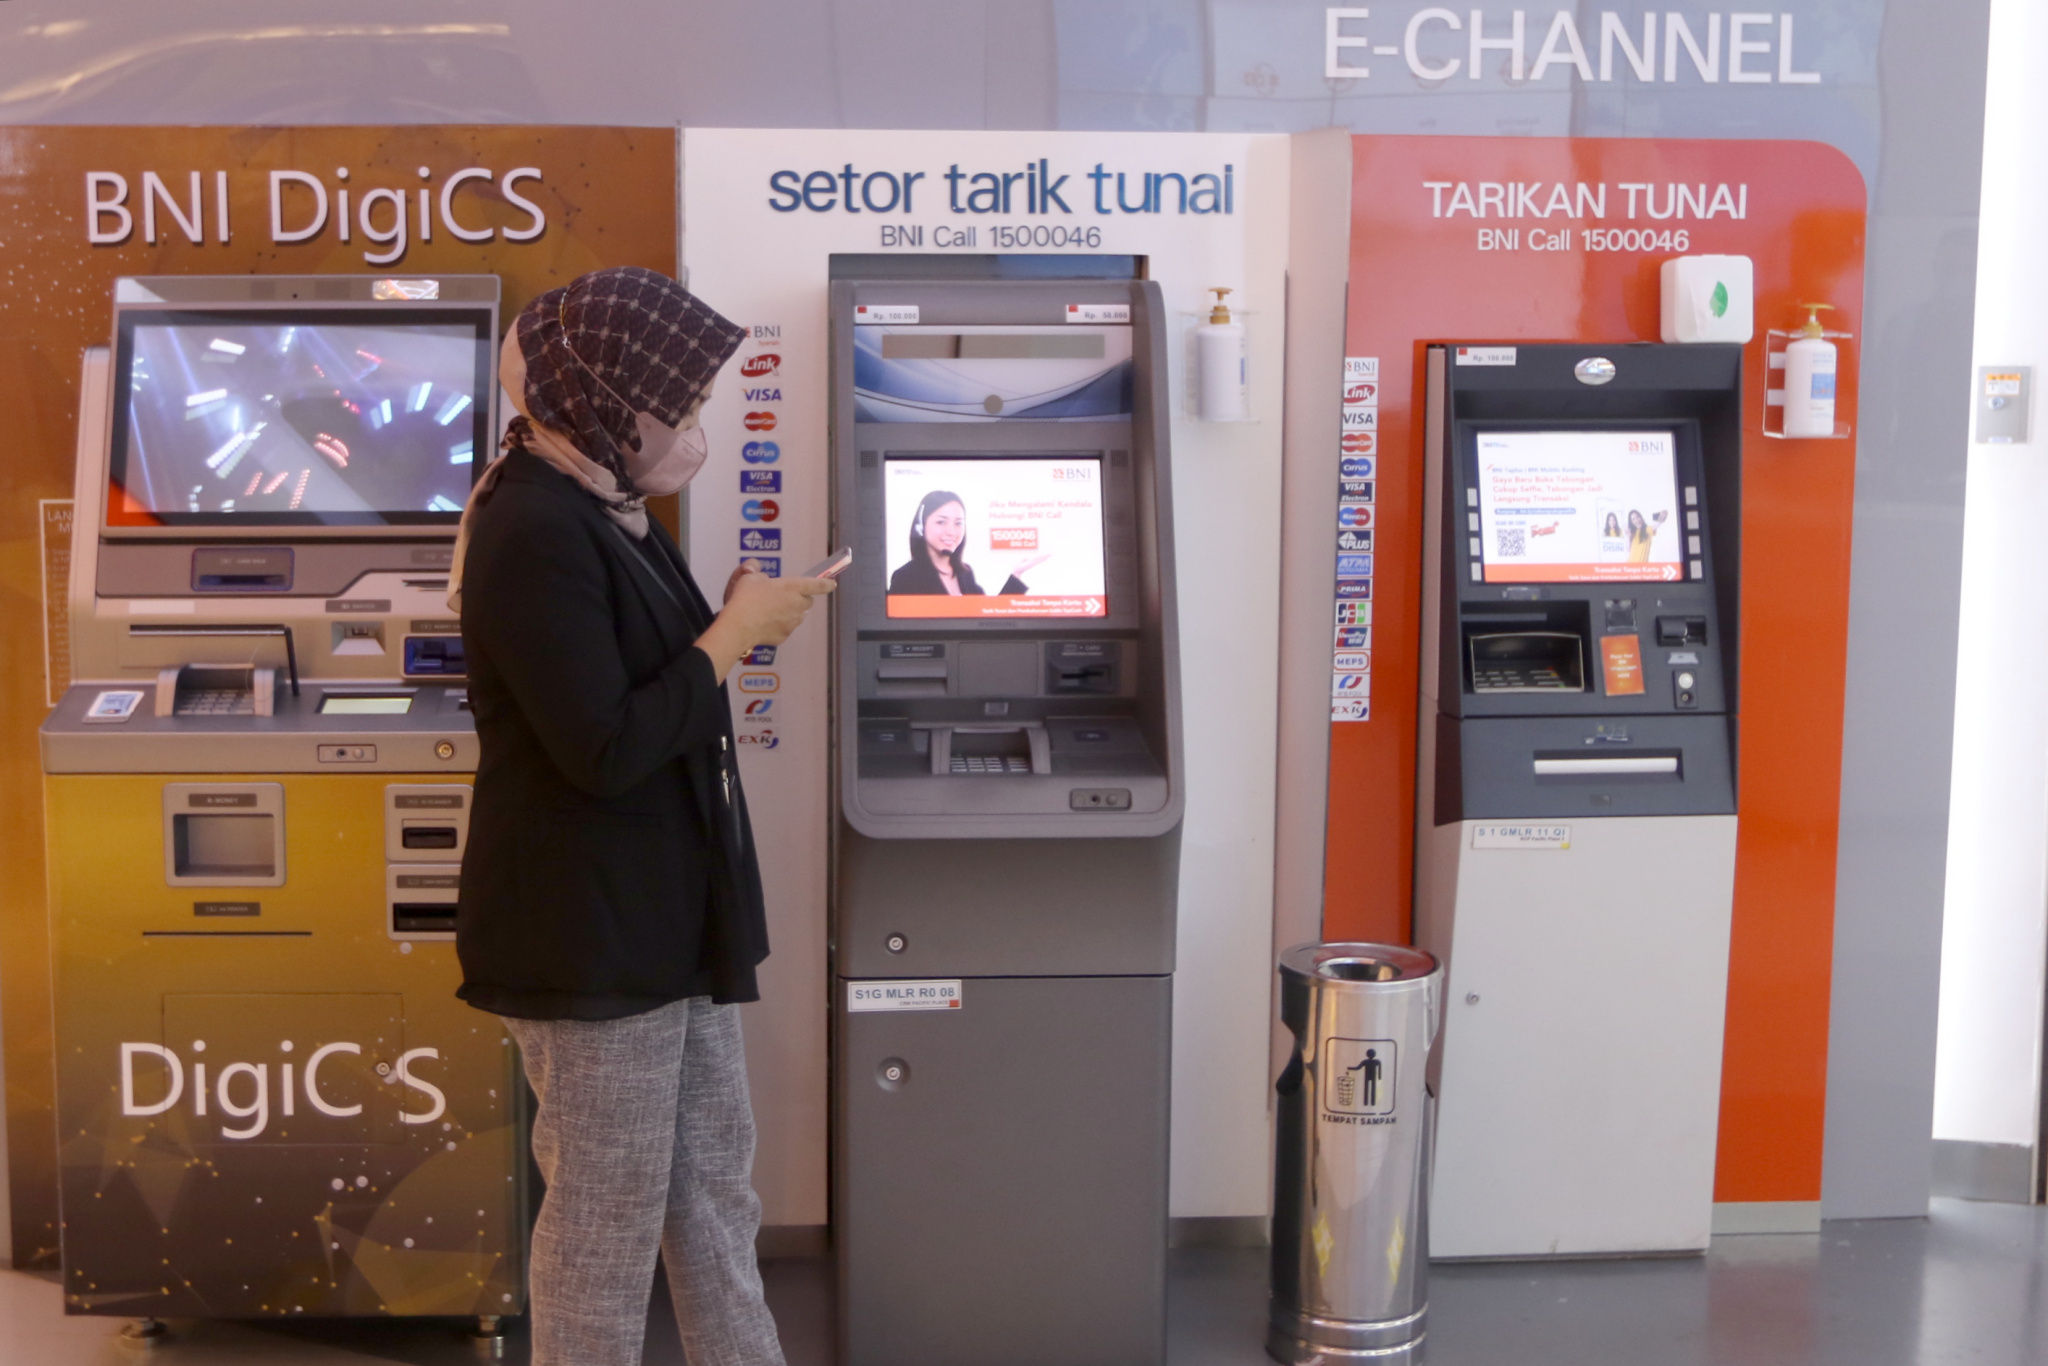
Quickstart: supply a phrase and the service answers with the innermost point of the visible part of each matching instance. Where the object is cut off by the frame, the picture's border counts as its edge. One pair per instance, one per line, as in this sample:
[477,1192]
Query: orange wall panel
[1420,274]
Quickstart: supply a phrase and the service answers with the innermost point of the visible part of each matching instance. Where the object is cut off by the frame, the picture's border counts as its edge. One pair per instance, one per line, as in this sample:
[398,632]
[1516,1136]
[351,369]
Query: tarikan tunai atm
[1576,808]
[257,790]
[1008,774]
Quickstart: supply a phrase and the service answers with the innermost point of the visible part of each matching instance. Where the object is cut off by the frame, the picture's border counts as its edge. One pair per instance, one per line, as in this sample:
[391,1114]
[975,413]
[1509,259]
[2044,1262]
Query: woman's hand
[1023,567]
[758,611]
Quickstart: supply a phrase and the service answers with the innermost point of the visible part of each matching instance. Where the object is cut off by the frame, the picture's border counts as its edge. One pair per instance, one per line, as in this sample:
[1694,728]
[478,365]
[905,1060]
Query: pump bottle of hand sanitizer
[1810,379]
[1220,358]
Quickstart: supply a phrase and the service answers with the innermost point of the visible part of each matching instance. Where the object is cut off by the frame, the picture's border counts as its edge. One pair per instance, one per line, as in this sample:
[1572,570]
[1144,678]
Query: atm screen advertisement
[1589,506]
[297,419]
[994,538]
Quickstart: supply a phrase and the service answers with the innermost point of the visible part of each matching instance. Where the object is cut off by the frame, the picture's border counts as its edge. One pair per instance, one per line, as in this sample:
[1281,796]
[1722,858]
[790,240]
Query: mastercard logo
[760,422]
[1360,443]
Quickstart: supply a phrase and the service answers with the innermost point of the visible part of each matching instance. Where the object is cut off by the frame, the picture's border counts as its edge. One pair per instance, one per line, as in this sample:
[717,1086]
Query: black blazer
[919,577]
[610,866]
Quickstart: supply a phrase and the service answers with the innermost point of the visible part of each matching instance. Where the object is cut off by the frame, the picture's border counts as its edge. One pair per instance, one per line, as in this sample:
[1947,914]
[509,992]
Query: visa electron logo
[761,452]
[760,422]
[760,510]
[760,656]
[758,538]
[761,739]
[761,366]
[760,481]
[242,1090]
[760,706]
[760,682]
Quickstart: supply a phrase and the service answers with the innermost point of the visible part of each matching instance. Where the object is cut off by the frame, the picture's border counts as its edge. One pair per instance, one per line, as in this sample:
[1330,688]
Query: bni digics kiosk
[269,1102]
[1576,796]
[1008,775]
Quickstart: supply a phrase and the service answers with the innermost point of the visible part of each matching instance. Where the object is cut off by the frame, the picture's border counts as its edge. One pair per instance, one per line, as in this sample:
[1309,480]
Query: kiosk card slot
[1528,661]
[1655,765]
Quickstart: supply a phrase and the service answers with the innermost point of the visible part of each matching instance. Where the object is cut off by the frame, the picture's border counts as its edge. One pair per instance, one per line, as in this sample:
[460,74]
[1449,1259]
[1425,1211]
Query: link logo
[761,366]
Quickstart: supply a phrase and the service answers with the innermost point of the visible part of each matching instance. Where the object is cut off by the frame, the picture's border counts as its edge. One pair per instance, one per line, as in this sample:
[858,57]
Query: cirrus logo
[761,452]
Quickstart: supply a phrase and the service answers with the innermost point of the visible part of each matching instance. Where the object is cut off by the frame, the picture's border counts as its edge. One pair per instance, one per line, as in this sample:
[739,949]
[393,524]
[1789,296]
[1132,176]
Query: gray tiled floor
[1968,1286]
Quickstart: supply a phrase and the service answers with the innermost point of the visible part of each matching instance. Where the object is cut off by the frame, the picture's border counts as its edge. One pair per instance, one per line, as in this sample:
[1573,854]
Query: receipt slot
[1576,793]
[1008,777]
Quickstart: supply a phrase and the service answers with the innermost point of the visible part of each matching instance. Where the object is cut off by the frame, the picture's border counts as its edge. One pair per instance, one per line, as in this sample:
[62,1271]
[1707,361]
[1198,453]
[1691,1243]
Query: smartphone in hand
[832,566]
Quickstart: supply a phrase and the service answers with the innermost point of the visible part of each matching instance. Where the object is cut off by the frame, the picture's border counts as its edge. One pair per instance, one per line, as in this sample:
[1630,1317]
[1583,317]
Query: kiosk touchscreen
[256,793]
[1576,795]
[1008,781]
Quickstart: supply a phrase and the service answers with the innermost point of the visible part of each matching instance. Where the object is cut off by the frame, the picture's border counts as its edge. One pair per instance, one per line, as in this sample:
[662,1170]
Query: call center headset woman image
[936,567]
[611,909]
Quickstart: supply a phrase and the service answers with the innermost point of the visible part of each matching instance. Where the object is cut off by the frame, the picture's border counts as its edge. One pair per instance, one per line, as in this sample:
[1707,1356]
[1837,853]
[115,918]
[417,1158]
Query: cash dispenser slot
[990,749]
[422,898]
[1526,661]
[1565,765]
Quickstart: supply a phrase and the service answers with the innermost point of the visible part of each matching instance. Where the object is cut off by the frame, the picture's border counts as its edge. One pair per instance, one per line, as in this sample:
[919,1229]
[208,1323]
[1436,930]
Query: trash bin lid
[1359,962]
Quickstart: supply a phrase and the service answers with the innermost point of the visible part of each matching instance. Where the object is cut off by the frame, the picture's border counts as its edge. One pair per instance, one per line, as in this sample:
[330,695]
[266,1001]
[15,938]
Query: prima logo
[242,1090]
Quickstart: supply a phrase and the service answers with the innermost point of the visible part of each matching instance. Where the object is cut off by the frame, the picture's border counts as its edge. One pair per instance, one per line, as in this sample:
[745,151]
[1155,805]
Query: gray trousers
[645,1134]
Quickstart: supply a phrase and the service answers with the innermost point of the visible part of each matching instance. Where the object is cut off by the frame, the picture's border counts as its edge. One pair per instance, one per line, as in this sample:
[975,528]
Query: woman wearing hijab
[611,902]
[938,530]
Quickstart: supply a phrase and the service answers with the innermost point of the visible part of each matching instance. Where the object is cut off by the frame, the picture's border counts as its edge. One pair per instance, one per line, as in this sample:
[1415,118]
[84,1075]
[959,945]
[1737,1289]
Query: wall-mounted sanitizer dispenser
[1575,846]
[1007,755]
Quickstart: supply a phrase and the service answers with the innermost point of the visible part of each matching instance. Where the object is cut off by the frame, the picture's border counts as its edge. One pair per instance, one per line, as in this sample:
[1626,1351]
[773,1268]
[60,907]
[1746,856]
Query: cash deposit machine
[1008,779]
[269,1102]
[1576,788]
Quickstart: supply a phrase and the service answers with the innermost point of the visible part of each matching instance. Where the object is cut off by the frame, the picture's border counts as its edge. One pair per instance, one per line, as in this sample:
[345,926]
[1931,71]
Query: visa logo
[762,395]
[760,656]
[760,367]
[759,538]
[761,452]
[760,481]
[1358,419]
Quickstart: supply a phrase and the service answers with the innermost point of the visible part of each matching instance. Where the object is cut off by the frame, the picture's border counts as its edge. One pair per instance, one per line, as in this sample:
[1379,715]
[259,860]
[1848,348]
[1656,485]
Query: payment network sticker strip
[1357,463]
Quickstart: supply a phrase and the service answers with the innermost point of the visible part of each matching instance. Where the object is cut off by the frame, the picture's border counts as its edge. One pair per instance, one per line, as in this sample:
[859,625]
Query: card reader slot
[428,837]
[1654,765]
[423,917]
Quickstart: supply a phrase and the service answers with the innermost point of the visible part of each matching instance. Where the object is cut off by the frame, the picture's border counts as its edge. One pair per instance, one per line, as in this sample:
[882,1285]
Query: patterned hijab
[611,344]
[587,364]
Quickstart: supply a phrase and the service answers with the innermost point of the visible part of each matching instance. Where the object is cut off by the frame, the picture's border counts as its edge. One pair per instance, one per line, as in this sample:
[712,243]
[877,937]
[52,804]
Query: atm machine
[1576,796]
[1008,776]
[269,1102]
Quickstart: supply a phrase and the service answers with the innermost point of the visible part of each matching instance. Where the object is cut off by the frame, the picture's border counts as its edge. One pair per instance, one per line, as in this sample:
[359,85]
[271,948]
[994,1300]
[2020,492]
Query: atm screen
[998,537]
[1588,506]
[329,417]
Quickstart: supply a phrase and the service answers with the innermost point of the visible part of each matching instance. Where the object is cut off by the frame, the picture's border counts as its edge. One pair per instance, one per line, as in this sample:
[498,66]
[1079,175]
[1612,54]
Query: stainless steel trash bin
[1351,1171]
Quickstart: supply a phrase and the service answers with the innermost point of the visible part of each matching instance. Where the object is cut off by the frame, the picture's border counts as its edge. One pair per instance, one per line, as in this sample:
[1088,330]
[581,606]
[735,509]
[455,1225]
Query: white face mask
[668,458]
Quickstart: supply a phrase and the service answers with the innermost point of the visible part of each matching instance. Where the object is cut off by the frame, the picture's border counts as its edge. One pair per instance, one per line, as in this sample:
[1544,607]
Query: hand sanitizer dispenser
[1810,362]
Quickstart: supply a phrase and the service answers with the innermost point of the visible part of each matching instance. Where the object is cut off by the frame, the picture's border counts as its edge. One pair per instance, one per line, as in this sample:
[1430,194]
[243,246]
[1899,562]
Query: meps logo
[241,1090]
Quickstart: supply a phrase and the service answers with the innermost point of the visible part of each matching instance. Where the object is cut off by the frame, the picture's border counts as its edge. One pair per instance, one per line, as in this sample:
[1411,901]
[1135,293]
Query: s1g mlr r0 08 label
[1521,837]
[917,995]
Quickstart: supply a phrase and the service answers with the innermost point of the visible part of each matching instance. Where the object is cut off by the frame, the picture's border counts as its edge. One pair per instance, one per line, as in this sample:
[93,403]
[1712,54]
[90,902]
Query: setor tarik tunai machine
[269,1101]
[1575,825]
[1009,785]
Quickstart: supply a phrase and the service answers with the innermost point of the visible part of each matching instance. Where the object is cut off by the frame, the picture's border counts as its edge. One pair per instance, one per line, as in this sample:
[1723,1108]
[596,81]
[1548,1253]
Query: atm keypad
[989,763]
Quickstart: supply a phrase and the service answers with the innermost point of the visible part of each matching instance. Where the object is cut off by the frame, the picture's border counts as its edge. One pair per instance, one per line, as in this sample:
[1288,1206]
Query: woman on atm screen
[611,907]
[1641,533]
[936,568]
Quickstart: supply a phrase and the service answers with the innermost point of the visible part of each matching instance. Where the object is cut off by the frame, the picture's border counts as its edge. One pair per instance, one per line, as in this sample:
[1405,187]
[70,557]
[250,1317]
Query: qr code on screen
[1510,543]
